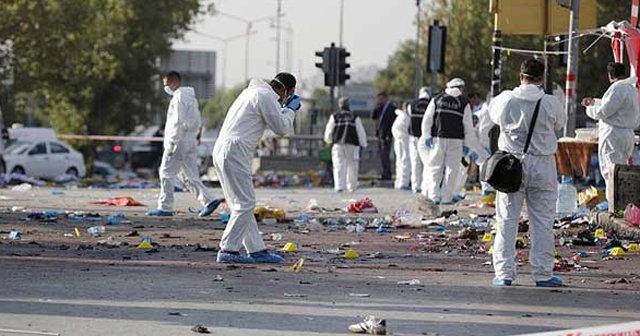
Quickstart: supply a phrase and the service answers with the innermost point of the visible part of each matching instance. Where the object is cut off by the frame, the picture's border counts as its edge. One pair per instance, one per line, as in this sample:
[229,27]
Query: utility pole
[418,72]
[340,40]
[572,69]
[278,15]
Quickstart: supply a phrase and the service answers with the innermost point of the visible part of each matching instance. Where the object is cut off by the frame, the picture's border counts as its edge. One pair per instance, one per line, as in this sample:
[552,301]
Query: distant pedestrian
[384,114]
[179,159]
[346,132]
[400,131]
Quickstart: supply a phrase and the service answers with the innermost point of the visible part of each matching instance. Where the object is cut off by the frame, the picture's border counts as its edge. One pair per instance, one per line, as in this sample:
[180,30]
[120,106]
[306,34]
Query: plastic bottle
[96,230]
[567,197]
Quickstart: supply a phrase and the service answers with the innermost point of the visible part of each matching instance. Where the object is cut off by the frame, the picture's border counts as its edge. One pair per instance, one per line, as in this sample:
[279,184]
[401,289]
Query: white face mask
[168,90]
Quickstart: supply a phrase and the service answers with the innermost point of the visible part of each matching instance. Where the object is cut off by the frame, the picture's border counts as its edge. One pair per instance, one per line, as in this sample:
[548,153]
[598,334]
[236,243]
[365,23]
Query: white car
[44,159]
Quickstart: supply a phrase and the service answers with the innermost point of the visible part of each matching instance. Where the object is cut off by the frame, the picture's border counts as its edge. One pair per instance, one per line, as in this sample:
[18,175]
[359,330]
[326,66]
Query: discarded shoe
[159,212]
[210,207]
[266,257]
[233,258]
[500,282]
[554,281]
[370,326]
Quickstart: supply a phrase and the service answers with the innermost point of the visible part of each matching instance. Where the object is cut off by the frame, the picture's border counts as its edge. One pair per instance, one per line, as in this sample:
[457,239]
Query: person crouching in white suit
[346,132]
[259,106]
[179,159]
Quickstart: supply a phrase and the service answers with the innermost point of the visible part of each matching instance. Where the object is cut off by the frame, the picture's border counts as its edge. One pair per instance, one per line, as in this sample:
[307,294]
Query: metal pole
[572,70]
[246,52]
[548,65]
[496,64]
[418,73]
[278,36]
[340,43]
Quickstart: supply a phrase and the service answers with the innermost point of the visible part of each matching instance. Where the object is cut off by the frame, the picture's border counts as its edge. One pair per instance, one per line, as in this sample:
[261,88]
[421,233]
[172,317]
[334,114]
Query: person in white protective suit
[618,115]
[260,106]
[512,111]
[400,132]
[346,132]
[484,128]
[179,159]
[446,127]
[417,151]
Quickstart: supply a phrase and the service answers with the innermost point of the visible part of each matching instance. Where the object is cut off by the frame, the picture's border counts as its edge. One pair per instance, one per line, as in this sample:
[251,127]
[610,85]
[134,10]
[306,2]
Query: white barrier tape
[118,138]
[624,329]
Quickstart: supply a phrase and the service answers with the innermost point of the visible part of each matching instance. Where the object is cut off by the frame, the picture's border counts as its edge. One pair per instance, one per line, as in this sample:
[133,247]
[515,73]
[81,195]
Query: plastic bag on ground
[632,214]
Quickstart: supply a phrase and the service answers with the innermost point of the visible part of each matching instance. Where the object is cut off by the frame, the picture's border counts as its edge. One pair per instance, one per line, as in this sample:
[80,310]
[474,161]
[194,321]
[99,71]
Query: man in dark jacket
[384,114]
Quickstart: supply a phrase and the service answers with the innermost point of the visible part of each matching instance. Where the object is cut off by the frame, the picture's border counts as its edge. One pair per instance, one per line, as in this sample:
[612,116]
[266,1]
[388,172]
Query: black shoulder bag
[503,170]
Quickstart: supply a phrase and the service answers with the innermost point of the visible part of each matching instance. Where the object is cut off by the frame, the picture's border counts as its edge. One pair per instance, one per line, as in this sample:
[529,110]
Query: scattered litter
[261,213]
[96,230]
[412,282]
[146,244]
[15,235]
[177,314]
[362,295]
[200,329]
[351,254]
[22,187]
[218,278]
[290,247]
[370,325]
[120,201]
[360,206]
[294,295]
[297,266]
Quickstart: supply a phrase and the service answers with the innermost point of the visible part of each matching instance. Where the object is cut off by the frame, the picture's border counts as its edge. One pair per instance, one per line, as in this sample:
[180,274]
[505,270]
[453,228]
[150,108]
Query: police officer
[346,132]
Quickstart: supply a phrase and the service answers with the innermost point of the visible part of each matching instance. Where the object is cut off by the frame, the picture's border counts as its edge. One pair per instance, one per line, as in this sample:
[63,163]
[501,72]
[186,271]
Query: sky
[372,31]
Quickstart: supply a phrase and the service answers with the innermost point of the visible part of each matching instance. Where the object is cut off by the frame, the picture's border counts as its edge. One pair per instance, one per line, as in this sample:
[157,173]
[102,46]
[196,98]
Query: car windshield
[18,148]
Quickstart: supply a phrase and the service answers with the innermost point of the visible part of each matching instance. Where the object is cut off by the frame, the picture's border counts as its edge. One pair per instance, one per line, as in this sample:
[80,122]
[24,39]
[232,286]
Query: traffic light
[328,65]
[343,65]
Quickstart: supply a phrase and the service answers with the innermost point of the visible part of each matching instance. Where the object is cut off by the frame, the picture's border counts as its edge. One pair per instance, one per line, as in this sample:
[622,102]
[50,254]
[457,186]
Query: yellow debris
[145,245]
[487,237]
[290,247]
[600,234]
[351,254]
[617,251]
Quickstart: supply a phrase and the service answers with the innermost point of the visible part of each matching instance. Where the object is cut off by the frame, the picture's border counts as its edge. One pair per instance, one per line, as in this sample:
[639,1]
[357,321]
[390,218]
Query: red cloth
[363,205]
[120,201]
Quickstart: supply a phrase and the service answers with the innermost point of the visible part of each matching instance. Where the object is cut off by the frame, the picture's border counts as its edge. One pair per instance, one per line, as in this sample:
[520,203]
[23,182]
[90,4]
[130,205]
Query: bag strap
[532,125]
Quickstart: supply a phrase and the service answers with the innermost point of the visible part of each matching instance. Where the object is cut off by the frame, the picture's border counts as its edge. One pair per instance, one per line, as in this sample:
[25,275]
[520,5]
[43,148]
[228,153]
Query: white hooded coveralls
[442,162]
[513,111]
[345,157]
[400,132]
[255,109]
[179,159]
[618,115]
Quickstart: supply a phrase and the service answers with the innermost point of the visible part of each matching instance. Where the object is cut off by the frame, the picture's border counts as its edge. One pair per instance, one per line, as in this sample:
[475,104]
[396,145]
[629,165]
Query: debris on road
[370,325]
[120,201]
[200,329]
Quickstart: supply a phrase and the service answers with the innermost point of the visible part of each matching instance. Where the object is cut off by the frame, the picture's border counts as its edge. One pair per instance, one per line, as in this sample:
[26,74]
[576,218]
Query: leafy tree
[91,64]
[215,109]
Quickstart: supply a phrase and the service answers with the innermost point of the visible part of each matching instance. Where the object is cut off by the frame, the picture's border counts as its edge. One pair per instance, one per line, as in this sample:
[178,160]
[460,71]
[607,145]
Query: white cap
[424,93]
[456,82]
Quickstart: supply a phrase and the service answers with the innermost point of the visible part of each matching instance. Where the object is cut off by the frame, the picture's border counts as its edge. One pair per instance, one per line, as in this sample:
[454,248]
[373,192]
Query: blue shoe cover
[161,213]
[266,257]
[554,281]
[210,208]
[501,282]
[233,258]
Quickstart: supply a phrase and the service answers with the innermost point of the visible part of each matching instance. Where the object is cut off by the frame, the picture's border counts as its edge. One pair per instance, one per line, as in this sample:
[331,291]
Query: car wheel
[18,170]
[72,171]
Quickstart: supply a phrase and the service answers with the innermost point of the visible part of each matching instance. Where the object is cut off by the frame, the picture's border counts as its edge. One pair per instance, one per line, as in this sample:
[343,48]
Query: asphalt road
[52,284]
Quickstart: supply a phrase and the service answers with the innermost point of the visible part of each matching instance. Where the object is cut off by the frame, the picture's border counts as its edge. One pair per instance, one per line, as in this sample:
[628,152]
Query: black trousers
[385,145]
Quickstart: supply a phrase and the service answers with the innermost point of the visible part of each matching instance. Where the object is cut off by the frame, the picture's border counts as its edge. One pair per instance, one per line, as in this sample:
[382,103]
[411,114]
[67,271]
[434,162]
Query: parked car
[108,172]
[43,159]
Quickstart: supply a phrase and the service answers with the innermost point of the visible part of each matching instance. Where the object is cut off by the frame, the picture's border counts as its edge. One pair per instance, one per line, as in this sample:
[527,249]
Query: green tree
[91,64]
[399,75]
[215,109]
